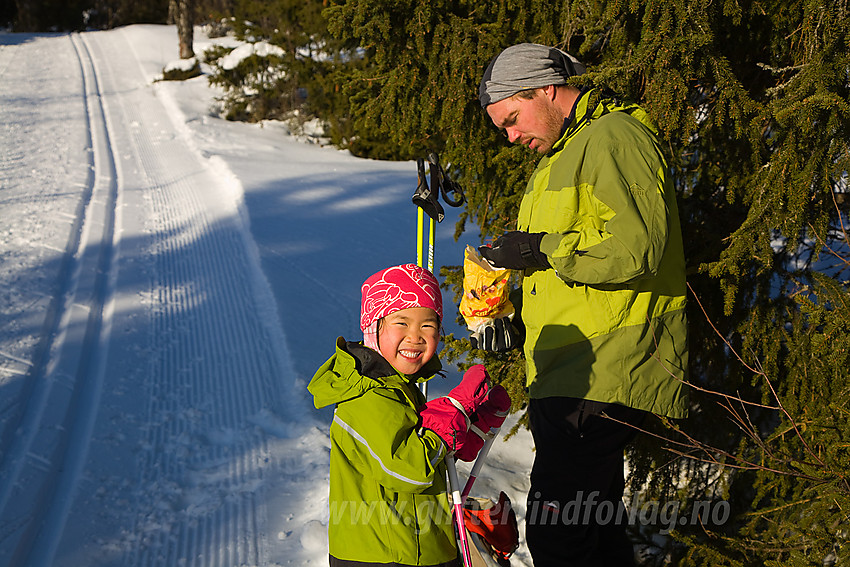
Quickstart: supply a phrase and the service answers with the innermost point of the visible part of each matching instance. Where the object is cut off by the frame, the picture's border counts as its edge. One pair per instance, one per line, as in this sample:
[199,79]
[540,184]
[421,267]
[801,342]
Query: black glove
[516,250]
[499,335]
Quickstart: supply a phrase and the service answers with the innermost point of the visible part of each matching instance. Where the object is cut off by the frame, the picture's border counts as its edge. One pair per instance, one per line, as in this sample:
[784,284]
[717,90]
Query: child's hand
[450,416]
[472,390]
[489,417]
[442,417]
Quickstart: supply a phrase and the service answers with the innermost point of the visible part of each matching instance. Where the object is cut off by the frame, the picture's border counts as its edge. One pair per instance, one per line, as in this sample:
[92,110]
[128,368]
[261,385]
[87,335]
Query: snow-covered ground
[169,281]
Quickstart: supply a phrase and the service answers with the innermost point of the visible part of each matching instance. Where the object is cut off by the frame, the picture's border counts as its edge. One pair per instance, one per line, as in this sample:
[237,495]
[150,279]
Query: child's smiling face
[408,338]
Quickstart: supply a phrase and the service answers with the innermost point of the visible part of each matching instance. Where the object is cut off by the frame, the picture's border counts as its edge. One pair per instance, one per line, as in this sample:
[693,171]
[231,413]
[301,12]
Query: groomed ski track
[156,353]
[44,459]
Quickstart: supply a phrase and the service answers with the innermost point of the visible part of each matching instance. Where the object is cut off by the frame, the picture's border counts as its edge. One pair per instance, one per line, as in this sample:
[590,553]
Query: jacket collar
[372,364]
[584,109]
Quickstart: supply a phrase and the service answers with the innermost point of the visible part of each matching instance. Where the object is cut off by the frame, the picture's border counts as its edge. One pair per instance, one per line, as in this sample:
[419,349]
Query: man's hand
[516,250]
[500,335]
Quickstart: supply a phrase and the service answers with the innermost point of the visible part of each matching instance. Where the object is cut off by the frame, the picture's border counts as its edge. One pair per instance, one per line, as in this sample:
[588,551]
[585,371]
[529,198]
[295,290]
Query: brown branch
[794,425]
[719,334]
[699,388]
[778,508]
[741,419]
[708,449]
[824,244]
[760,372]
[747,466]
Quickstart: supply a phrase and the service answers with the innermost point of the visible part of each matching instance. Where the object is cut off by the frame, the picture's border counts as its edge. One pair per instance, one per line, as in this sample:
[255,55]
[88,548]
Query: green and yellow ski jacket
[388,497]
[608,322]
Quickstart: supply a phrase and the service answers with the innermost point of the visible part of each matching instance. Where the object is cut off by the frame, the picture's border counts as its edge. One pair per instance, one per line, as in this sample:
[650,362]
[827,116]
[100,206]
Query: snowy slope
[168,283]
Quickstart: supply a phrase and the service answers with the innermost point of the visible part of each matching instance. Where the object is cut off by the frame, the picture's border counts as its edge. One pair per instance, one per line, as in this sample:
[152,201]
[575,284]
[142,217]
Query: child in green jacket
[388,496]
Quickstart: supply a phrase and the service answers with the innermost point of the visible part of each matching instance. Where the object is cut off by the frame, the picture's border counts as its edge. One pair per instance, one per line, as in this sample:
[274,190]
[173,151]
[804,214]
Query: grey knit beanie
[526,66]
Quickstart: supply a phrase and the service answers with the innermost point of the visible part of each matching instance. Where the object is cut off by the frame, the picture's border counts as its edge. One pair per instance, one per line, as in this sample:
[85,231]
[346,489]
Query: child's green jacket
[388,498]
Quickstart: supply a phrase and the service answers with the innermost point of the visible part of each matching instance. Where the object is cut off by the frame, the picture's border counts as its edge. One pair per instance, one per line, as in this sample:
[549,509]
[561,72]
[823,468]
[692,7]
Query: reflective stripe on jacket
[388,498]
[608,322]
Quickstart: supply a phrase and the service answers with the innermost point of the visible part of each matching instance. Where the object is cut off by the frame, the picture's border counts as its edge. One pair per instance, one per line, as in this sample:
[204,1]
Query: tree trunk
[172,12]
[185,25]
[27,16]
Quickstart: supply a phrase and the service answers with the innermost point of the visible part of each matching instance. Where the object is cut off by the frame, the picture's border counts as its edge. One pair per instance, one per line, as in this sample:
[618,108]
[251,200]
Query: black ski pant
[575,515]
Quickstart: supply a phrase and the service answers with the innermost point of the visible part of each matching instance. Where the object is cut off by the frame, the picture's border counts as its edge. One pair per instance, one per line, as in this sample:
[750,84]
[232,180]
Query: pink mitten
[472,390]
[489,416]
[442,417]
[449,416]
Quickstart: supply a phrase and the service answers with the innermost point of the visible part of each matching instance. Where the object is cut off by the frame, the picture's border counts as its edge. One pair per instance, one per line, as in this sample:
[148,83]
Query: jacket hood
[355,369]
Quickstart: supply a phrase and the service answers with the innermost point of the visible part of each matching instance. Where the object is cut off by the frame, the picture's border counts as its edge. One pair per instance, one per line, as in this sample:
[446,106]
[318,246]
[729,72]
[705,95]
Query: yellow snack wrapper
[485,291]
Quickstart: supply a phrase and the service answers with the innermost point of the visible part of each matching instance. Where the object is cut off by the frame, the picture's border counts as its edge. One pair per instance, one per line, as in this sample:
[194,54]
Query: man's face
[534,122]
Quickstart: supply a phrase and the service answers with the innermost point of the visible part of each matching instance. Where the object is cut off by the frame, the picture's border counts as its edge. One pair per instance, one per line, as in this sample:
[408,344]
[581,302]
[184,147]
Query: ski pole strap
[485,435]
[459,407]
[450,190]
[427,198]
[424,197]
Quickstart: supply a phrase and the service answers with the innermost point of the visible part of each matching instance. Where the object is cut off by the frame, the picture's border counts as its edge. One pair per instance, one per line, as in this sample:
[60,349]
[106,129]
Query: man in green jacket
[603,296]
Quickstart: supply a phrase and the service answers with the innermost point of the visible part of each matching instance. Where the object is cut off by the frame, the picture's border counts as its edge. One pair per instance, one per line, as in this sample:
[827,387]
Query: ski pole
[427,202]
[420,222]
[479,462]
[436,184]
[431,232]
[457,504]
[419,229]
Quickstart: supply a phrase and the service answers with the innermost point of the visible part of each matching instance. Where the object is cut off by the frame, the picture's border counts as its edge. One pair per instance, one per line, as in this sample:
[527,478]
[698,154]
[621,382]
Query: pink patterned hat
[394,289]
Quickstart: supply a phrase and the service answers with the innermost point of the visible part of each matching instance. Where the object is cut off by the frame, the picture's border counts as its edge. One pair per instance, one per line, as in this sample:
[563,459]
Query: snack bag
[485,291]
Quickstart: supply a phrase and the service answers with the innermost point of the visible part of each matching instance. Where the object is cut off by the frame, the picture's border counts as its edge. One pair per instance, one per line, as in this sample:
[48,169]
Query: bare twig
[719,334]
[708,450]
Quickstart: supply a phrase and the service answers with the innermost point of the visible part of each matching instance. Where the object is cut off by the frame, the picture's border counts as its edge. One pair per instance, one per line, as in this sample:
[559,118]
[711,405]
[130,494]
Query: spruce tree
[302,81]
[752,102]
[47,15]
